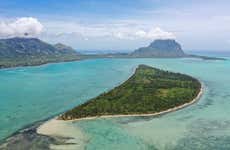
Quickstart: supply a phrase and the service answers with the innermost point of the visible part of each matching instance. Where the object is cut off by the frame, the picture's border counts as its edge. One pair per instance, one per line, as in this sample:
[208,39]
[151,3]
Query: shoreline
[36,65]
[83,57]
[143,115]
[47,130]
[74,135]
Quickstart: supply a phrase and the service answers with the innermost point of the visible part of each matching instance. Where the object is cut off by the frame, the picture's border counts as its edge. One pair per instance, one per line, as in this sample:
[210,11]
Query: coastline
[83,57]
[66,128]
[39,64]
[144,115]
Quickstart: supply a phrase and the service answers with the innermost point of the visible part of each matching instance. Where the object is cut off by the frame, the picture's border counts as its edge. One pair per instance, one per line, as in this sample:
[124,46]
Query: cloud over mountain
[155,33]
[25,26]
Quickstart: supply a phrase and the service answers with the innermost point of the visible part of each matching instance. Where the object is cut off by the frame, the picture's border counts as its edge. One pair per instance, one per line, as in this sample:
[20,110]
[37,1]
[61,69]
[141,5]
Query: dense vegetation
[148,90]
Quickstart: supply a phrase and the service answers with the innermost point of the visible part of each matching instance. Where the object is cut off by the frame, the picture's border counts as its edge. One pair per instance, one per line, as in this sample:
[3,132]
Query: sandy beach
[58,128]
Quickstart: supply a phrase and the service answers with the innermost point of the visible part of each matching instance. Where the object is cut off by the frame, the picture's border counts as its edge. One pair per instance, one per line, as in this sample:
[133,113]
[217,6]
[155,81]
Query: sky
[119,24]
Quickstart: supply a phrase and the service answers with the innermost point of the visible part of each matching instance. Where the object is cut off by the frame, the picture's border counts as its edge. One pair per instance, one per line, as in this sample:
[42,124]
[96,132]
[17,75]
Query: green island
[149,90]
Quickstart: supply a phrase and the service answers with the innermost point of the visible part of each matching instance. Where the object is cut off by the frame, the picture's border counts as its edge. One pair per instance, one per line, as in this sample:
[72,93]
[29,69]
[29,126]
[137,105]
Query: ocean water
[29,94]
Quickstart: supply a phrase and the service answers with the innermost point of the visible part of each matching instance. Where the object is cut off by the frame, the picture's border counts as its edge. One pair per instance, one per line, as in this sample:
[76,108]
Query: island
[159,48]
[148,91]
[166,48]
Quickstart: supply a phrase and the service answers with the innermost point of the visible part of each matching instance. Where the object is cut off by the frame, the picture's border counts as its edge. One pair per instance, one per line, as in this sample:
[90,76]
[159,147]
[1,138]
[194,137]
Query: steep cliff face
[160,48]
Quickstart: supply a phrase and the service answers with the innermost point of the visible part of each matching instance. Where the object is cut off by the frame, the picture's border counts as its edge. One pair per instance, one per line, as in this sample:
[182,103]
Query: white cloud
[128,30]
[158,33]
[21,27]
[141,33]
[154,33]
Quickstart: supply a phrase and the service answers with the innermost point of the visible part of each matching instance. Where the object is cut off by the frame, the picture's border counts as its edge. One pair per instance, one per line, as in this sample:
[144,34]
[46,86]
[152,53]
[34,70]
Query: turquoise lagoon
[29,94]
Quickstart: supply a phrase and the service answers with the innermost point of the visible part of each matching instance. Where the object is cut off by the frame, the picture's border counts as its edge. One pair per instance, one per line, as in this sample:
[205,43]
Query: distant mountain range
[160,48]
[32,51]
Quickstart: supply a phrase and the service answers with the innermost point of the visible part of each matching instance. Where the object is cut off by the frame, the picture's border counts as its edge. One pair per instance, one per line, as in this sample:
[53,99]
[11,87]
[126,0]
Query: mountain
[64,48]
[32,51]
[160,48]
[18,47]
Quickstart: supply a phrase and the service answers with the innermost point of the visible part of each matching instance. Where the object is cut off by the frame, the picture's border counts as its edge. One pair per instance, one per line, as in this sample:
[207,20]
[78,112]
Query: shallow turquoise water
[47,90]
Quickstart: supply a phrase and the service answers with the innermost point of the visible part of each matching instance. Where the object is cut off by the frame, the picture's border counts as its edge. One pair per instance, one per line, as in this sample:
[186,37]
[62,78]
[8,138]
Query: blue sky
[120,24]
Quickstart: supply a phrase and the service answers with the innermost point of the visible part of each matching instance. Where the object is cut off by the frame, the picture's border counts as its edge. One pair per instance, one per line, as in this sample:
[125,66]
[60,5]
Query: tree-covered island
[148,90]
